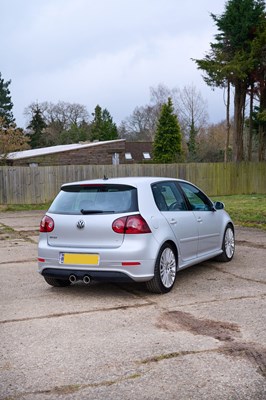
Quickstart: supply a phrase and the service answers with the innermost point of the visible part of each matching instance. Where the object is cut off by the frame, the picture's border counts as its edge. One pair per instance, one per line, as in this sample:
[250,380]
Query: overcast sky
[106,52]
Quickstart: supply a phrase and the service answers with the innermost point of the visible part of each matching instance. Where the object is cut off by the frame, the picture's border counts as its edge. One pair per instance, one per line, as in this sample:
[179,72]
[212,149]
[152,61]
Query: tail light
[134,224]
[47,224]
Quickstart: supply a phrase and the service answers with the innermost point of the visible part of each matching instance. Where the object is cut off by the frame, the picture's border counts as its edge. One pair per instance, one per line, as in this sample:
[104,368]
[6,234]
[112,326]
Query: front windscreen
[93,199]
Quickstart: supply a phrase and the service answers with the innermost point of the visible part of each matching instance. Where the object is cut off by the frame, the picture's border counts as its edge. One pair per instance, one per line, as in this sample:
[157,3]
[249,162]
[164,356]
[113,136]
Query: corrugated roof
[17,155]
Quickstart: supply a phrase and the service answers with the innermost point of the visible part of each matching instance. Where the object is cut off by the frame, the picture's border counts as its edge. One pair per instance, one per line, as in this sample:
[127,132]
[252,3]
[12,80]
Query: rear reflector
[41,259]
[130,263]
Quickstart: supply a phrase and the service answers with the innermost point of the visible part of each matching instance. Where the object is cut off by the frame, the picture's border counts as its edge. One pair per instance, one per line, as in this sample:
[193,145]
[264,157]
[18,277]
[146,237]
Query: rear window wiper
[85,212]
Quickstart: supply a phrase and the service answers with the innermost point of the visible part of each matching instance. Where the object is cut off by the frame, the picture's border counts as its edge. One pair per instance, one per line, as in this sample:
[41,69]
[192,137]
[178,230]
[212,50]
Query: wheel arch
[224,257]
[160,283]
[174,247]
[230,223]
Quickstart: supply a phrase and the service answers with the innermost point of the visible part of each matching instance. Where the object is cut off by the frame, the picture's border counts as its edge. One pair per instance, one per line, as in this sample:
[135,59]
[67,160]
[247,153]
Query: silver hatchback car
[141,229]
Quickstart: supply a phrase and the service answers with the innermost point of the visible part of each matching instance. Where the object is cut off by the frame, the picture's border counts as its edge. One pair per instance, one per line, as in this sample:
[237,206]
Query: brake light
[134,224]
[47,224]
[119,224]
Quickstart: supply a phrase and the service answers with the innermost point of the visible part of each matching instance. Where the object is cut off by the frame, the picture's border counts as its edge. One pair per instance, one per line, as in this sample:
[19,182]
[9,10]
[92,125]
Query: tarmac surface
[206,339]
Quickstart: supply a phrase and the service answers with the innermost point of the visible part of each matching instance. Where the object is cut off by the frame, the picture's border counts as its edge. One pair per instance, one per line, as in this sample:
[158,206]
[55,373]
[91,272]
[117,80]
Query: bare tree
[63,113]
[159,95]
[191,108]
[192,113]
[210,143]
[59,118]
[188,106]
[141,124]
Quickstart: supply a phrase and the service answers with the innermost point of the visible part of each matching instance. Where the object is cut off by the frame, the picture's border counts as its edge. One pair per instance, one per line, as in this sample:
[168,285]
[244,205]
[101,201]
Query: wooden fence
[25,185]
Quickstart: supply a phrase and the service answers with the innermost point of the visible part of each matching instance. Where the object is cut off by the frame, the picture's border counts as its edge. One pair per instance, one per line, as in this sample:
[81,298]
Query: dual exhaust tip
[86,279]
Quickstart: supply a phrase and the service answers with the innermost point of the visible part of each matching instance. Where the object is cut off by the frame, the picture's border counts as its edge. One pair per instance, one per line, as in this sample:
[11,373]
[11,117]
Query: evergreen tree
[167,147]
[192,141]
[6,104]
[36,126]
[97,124]
[103,127]
[109,127]
[76,134]
[259,89]
[232,59]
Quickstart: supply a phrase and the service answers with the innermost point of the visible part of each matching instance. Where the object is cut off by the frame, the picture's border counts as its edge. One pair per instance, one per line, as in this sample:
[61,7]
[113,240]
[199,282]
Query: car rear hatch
[89,231]
[83,215]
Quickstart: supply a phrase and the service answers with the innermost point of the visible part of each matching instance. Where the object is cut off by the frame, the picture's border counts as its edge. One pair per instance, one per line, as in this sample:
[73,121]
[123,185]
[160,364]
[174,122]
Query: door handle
[172,221]
[199,219]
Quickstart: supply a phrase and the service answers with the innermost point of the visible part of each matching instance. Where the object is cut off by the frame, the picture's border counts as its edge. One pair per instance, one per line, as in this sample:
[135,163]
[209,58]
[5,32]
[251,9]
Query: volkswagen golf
[141,229]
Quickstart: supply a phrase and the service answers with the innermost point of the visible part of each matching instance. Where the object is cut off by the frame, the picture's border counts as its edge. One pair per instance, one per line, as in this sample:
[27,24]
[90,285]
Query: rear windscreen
[93,199]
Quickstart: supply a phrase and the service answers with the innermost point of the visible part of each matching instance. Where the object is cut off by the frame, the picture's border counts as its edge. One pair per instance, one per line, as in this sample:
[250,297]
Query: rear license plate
[81,259]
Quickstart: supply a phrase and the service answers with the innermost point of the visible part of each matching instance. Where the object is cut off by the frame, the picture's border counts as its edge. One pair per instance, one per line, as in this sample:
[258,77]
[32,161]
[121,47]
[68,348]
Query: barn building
[86,153]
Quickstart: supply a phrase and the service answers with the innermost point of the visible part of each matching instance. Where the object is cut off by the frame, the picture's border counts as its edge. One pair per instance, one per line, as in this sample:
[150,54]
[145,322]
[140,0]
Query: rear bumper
[128,262]
[110,276]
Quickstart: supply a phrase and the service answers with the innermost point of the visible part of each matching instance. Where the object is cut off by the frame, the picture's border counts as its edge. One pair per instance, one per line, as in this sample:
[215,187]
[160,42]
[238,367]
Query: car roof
[133,181]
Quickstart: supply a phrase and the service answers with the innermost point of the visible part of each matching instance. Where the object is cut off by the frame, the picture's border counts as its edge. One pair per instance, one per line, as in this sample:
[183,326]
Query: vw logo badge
[80,224]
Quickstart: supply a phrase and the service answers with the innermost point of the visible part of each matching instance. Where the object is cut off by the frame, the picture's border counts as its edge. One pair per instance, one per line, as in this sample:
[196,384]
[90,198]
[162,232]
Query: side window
[198,200]
[168,197]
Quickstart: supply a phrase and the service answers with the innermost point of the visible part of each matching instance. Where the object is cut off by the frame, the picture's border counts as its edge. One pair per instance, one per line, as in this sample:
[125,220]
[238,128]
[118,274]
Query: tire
[228,246]
[57,282]
[164,271]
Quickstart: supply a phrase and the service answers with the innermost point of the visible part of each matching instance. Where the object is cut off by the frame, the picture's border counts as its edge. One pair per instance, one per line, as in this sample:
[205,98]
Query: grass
[25,207]
[245,210]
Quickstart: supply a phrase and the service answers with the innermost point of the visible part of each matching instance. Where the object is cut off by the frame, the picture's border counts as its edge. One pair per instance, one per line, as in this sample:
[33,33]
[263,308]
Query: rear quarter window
[86,199]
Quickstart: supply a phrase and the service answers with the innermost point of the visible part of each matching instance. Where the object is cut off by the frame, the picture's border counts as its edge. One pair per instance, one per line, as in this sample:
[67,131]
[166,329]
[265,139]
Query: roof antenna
[105,178]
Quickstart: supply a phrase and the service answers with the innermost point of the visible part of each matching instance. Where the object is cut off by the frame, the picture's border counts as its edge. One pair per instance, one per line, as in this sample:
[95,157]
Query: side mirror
[218,205]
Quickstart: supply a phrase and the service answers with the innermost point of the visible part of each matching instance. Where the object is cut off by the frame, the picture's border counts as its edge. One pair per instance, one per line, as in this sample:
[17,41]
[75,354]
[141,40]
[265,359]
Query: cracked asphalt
[204,340]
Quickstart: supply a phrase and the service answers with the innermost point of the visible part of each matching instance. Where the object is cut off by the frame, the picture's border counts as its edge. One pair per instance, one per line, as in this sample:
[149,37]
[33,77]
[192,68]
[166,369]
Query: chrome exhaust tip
[72,278]
[86,279]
